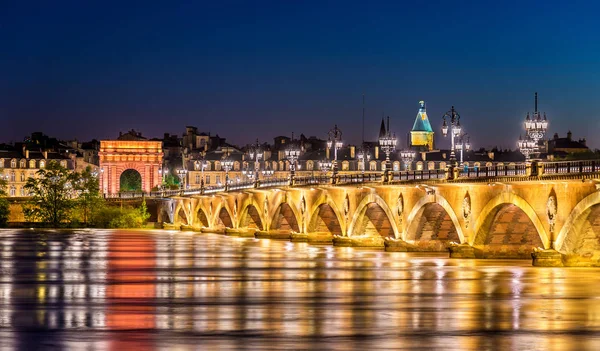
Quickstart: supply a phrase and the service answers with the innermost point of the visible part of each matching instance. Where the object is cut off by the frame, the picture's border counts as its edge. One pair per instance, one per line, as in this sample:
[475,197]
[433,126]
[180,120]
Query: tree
[52,193]
[4,210]
[88,190]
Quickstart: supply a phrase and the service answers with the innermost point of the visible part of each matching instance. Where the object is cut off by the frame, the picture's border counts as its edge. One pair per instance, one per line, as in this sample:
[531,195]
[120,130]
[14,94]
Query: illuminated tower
[421,135]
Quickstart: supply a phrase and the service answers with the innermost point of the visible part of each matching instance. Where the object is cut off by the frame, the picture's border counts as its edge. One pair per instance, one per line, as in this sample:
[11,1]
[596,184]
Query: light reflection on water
[157,289]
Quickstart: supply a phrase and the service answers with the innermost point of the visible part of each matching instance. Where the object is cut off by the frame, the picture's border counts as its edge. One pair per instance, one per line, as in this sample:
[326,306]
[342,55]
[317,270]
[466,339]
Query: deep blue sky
[89,69]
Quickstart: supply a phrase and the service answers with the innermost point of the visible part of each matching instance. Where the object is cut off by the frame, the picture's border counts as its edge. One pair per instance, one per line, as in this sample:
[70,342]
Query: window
[12,177]
[22,176]
[373,166]
[309,165]
[345,165]
[420,166]
[207,181]
[217,166]
[442,165]
[31,163]
[13,163]
[1,163]
[22,191]
[13,191]
[197,178]
[396,166]
[42,164]
[431,165]
[22,164]
[218,179]
[63,163]
[196,166]
[236,166]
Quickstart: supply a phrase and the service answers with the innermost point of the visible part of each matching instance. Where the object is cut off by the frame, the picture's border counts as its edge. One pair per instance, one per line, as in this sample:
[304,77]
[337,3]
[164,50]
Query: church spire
[382,130]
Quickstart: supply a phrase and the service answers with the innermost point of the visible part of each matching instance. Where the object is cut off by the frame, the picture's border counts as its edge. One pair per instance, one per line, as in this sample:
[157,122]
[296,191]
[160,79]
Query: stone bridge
[555,217]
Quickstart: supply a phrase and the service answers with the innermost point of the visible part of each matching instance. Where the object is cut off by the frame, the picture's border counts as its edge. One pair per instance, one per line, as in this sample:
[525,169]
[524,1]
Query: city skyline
[247,70]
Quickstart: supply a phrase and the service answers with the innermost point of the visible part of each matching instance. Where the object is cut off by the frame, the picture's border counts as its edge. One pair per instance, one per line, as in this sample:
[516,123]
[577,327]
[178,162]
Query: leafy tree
[4,210]
[51,194]
[88,190]
[143,210]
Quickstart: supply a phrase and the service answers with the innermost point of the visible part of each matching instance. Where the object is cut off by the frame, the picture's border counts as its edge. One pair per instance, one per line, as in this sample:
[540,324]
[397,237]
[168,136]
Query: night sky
[89,69]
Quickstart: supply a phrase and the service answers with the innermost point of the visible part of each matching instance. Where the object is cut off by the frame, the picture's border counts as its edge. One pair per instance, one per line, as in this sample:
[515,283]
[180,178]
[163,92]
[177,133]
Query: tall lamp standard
[455,130]
[388,145]
[527,147]
[292,154]
[334,141]
[407,157]
[255,154]
[182,173]
[227,166]
[463,144]
[363,157]
[536,126]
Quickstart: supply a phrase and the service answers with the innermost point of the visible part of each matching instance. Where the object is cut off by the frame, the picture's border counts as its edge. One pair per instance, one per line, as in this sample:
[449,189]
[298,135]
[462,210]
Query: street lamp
[255,153]
[455,130]
[181,173]
[325,165]
[388,145]
[292,154]
[536,126]
[407,157]
[527,146]
[335,141]
[227,166]
[363,156]
[463,144]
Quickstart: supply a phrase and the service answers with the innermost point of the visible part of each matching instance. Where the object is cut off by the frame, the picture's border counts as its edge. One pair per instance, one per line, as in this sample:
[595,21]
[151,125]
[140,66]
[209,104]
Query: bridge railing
[369,177]
[569,167]
[312,180]
[398,176]
[273,182]
[519,169]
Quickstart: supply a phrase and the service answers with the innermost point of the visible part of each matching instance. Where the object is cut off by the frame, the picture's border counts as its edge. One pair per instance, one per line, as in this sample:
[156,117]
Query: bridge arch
[286,217]
[518,226]
[325,216]
[251,216]
[181,215]
[373,215]
[582,224]
[222,216]
[429,213]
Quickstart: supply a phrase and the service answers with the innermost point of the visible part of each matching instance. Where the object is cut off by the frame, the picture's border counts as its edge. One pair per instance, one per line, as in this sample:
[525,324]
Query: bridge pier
[547,258]
[358,241]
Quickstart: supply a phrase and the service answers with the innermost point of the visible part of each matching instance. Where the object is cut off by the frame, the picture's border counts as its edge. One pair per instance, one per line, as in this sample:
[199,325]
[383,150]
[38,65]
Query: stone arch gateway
[118,156]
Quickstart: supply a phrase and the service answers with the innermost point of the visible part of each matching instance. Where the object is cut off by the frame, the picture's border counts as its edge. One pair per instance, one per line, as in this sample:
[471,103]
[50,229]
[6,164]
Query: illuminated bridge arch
[286,217]
[325,217]
[581,232]
[373,217]
[433,224]
[250,216]
[509,227]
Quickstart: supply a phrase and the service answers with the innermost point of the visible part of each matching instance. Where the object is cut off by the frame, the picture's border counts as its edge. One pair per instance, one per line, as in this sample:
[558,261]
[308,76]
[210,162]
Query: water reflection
[144,289]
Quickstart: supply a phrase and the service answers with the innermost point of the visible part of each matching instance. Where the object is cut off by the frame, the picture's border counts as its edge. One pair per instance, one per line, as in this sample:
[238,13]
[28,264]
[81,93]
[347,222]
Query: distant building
[560,147]
[421,135]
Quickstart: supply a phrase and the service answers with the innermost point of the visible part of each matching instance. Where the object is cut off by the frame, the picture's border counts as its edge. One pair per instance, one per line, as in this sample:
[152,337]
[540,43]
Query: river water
[128,290]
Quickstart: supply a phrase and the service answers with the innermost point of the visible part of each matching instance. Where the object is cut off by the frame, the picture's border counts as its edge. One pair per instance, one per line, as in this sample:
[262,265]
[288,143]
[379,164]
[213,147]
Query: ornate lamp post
[536,126]
[407,157]
[227,166]
[255,154]
[292,154]
[463,144]
[267,172]
[527,147]
[387,143]
[363,156]
[455,130]
[335,141]
[182,173]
